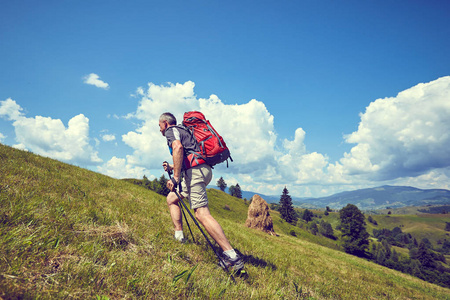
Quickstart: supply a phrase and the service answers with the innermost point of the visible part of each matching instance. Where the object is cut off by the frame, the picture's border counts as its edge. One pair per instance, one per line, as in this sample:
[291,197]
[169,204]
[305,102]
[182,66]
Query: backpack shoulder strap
[184,127]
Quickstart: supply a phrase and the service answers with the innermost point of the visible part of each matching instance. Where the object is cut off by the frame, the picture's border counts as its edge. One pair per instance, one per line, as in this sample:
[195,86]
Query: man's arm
[177,154]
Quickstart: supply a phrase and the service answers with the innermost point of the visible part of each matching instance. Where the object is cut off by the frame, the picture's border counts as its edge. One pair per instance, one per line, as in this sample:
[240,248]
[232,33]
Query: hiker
[193,186]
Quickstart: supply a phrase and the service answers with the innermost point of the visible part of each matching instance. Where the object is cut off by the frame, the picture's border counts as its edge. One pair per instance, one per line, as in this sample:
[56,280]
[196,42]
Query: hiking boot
[233,264]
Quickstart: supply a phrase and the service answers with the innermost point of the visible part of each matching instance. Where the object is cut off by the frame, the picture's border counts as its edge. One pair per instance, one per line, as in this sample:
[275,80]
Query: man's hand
[177,155]
[172,184]
[174,181]
[167,167]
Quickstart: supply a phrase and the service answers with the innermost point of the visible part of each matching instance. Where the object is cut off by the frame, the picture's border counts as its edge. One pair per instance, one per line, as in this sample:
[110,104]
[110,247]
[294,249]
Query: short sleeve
[172,134]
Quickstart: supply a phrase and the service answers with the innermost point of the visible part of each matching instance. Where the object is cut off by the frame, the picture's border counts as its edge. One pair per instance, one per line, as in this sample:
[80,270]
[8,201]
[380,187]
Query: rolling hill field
[430,226]
[67,232]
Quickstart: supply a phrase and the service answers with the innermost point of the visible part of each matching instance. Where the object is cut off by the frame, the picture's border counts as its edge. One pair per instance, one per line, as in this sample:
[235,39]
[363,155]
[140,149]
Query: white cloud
[2,137]
[109,137]
[398,137]
[49,137]
[119,168]
[114,116]
[296,165]
[247,128]
[297,146]
[400,140]
[150,148]
[434,179]
[94,79]
[403,136]
[10,110]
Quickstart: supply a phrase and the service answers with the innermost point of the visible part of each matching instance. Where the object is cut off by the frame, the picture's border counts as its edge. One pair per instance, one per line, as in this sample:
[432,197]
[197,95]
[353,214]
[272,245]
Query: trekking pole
[185,218]
[198,225]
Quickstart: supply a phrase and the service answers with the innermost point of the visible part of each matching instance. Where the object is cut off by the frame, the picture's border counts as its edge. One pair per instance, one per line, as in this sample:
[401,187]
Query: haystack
[259,216]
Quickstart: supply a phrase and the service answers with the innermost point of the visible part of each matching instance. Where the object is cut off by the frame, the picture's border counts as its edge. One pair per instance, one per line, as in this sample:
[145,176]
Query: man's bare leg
[175,211]
[212,227]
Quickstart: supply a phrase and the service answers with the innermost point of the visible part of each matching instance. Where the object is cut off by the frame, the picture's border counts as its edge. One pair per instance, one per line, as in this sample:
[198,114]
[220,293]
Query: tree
[231,190]
[163,183]
[353,229]
[415,268]
[446,247]
[307,215]
[221,184]
[145,182]
[387,248]
[326,230]
[380,257]
[425,257]
[238,192]
[394,256]
[372,220]
[235,191]
[286,208]
[427,243]
[313,228]
[447,226]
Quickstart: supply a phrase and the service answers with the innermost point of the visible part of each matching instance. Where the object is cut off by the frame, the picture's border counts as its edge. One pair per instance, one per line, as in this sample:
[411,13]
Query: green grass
[66,232]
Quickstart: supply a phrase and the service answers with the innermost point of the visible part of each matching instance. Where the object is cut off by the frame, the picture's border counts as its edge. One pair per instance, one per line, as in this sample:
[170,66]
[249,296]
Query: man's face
[163,126]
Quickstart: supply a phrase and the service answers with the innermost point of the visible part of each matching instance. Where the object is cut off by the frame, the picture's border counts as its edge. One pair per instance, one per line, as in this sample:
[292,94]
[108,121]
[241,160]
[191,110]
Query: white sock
[179,235]
[231,253]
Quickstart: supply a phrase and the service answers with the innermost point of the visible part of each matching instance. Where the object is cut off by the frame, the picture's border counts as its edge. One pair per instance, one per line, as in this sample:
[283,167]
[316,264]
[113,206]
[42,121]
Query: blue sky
[320,96]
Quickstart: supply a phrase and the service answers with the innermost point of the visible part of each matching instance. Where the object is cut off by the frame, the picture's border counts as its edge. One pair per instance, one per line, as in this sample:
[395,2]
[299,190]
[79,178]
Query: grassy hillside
[413,210]
[71,233]
[430,226]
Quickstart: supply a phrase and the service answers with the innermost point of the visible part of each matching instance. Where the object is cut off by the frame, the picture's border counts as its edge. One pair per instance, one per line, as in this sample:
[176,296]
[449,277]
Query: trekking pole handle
[169,171]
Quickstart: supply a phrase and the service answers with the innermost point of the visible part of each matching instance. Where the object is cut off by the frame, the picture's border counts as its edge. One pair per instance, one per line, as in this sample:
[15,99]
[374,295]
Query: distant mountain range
[383,197]
[371,198]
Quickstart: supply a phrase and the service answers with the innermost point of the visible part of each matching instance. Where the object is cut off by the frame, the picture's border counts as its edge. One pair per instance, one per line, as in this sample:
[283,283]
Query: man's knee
[198,217]
[172,198]
[202,213]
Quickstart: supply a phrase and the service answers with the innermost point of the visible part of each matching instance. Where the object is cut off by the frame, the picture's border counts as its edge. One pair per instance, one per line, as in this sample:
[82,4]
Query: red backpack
[213,149]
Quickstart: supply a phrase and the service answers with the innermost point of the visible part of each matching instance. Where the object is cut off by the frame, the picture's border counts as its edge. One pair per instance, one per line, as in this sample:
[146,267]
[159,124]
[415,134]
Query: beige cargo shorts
[194,185]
